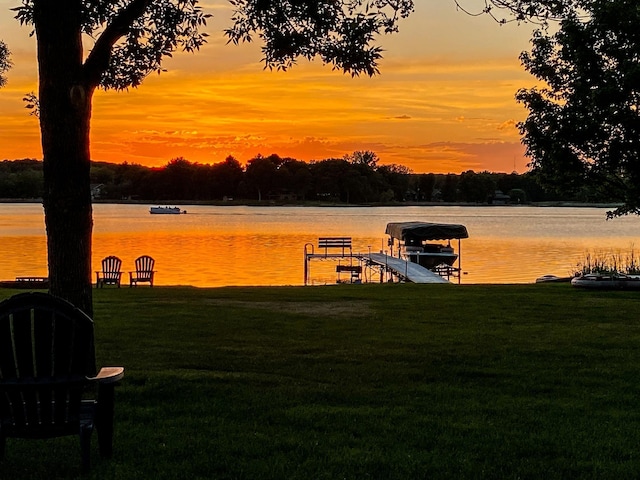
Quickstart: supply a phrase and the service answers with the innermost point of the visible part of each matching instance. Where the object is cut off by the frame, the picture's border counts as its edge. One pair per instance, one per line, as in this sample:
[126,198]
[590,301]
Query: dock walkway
[411,271]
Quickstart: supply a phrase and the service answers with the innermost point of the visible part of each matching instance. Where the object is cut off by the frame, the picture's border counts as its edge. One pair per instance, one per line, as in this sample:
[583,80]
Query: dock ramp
[411,271]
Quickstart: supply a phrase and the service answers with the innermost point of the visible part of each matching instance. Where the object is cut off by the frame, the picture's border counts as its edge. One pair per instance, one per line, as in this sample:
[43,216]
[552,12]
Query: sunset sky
[444,102]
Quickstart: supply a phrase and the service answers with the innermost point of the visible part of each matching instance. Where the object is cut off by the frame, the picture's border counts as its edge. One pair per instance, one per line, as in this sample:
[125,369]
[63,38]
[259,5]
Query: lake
[242,245]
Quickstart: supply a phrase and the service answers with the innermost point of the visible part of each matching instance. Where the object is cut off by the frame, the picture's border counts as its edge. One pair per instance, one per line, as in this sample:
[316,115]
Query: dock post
[459,262]
[306,261]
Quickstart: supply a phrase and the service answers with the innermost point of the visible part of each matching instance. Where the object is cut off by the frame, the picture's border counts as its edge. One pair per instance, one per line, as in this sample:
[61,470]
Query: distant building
[96,190]
[283,196]
[499,198]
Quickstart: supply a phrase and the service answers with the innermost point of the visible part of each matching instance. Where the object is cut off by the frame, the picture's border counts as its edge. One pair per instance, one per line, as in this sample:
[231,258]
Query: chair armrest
[109,375]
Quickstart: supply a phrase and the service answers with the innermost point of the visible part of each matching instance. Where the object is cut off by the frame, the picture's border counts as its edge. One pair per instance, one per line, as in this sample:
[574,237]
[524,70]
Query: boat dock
[417,259]
[386,266]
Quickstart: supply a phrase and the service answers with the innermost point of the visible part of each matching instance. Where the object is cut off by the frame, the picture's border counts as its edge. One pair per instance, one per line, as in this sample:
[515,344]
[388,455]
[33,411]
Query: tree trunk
[65,113]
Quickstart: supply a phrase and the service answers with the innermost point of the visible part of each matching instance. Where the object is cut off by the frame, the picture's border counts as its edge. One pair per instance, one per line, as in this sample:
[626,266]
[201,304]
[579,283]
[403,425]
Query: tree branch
[98,60]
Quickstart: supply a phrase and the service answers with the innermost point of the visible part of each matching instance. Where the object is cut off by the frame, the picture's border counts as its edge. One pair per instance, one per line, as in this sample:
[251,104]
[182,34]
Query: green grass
[363,382]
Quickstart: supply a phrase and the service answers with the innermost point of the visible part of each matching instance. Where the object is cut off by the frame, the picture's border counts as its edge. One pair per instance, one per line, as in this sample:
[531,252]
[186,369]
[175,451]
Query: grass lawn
[362,382]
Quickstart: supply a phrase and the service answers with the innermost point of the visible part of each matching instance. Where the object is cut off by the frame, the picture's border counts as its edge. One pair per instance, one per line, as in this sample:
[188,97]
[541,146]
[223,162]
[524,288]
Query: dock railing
[328,247]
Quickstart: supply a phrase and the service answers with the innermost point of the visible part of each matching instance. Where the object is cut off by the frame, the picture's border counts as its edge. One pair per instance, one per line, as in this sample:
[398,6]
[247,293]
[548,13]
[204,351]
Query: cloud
[507,125]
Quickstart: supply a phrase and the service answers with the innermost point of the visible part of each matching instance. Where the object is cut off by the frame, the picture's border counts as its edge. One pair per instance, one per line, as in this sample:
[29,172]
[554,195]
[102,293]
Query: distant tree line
[356,178]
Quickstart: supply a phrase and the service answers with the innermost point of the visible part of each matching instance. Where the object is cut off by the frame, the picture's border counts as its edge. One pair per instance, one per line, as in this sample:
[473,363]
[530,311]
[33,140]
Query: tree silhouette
[5,63]
[540,11]
[261,174]
[225,178]
[130,40]
[583,127]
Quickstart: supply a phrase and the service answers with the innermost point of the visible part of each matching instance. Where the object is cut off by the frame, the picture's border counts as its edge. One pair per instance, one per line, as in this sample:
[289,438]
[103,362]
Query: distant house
[96,190]
[499,198]
[283,196]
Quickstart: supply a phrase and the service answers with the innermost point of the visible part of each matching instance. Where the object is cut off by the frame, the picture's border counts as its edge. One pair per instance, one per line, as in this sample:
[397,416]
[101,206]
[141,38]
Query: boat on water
[607,281]
[167,210]
[416,244]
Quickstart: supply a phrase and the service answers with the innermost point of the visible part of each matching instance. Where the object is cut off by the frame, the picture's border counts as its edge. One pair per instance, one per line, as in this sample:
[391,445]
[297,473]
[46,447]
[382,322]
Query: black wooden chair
[110,274]
[144,271]
[48,382]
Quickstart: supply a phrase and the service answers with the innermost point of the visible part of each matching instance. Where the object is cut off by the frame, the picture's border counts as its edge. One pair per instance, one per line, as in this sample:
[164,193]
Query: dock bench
[27,282]
[32,279]
[342,243]
[334,248]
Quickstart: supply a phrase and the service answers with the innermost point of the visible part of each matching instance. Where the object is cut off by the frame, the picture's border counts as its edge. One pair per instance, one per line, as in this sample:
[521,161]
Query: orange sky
[444,102]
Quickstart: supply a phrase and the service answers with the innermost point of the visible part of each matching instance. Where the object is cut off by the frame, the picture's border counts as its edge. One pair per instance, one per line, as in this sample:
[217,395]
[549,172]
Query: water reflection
[215,246]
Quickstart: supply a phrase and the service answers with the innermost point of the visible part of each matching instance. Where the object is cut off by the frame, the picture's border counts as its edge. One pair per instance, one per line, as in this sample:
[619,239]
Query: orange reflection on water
[217,246]
[203,259]
[505,260]
[23,256]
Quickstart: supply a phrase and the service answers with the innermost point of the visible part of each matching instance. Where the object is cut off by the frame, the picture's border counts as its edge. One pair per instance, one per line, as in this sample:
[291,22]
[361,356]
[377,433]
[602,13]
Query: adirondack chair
[48,382]
[110,274]
[144,271]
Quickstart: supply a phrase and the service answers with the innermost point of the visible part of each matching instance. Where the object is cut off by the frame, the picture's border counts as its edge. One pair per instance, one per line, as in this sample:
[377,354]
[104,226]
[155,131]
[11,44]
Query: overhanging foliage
[5,63]
[584,123]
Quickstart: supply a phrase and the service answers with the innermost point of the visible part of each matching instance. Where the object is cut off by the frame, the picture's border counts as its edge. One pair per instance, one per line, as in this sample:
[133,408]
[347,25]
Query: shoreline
[234,203]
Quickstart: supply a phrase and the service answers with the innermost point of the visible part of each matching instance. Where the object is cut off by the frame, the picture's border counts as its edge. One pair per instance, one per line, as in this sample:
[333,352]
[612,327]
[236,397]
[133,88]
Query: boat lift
[413,245]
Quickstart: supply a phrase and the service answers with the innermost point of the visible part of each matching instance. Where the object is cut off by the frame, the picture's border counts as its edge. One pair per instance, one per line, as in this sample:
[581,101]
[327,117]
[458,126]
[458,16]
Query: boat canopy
[426,231]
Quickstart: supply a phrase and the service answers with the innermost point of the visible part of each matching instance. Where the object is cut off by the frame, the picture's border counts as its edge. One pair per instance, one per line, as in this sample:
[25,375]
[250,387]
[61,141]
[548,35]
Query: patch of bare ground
[325,309]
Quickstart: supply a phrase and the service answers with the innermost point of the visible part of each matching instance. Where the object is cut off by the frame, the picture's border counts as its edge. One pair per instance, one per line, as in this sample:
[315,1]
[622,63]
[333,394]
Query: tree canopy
[540,11]
[341,33]
[131,38]
[288,181]
[583,125]
[5,63]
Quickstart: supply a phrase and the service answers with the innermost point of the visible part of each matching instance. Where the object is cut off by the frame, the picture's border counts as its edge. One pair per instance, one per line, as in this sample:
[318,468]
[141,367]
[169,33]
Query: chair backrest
[144,264]
[46,352]
[111,267]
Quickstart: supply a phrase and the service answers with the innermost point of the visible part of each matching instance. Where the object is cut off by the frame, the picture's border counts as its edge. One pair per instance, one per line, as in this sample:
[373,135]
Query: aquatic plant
[609,263]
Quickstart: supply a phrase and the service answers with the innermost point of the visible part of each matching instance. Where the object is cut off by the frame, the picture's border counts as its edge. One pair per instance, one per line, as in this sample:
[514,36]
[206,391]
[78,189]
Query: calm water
[216,246]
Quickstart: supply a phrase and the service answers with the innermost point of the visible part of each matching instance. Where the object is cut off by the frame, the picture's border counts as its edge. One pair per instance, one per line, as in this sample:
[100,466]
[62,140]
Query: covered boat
[415,242]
